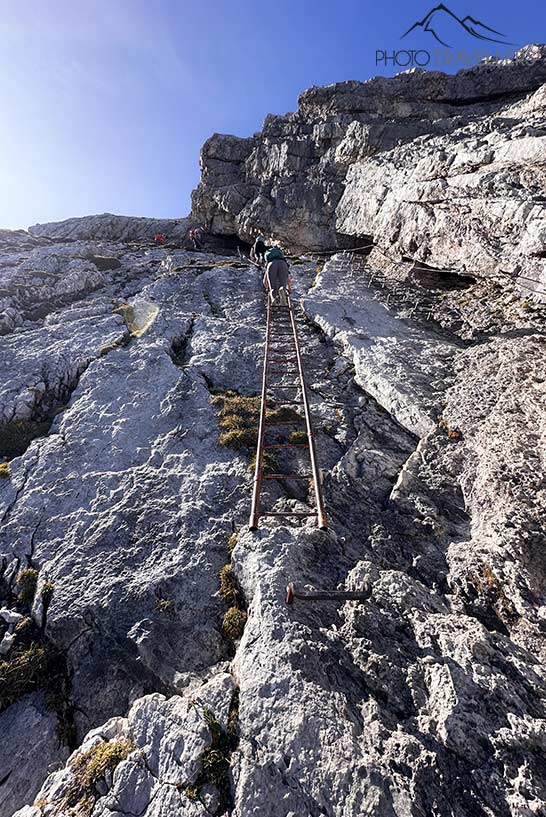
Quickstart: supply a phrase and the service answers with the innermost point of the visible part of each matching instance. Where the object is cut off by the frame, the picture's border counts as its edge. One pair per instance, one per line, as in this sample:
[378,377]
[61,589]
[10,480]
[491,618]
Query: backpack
[274,254]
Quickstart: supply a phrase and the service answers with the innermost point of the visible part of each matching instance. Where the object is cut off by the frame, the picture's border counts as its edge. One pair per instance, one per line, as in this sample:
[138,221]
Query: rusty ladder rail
[277,357]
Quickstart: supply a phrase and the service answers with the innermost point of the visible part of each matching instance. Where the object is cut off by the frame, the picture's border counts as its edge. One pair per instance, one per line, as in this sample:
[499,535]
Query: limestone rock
[426,375]
[28,729]
[403,369]
[166,741]
[111,228]
[128,503]
[444,169]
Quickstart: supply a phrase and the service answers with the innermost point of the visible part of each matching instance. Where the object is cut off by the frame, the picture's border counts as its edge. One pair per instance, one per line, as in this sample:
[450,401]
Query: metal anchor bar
[326,595]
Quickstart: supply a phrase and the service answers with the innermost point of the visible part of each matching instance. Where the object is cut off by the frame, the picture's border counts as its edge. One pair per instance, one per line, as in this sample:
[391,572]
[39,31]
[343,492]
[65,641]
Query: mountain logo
[441,20]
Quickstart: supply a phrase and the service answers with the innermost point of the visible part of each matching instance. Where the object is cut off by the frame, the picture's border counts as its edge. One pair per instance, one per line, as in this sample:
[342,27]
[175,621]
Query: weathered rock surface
[428,391]
[109,227]
[447,170]
[30,751]
[127,504]
[400,366]
[168,738]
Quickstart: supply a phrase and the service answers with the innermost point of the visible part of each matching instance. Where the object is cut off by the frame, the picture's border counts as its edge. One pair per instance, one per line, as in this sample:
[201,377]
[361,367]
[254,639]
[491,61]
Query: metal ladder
[282,350]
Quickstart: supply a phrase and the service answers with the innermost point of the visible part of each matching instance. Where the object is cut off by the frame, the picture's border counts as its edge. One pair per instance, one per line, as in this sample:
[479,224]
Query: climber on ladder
[277,276]
[284,403]
[258,251]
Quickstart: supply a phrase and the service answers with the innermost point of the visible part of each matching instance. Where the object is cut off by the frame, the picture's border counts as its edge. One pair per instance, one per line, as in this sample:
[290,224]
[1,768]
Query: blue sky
[106,103]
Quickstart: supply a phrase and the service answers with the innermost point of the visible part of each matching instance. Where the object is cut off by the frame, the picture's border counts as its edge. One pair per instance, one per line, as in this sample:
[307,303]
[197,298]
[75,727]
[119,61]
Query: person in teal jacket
[276,274]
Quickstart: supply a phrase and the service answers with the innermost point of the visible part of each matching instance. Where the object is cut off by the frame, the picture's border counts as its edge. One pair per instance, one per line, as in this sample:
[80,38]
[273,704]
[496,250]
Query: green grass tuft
[24,673]
[269,463]
[297,438]
[90,768]
[282,415]
[228,585]
[215,760]
[47,592]
[233,623]
[26,582]
[165,606]
[239,438]
[238,418]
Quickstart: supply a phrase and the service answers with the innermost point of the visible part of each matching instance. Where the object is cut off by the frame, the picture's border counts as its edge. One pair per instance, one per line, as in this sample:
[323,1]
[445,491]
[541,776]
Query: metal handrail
[255,508]
[315,470]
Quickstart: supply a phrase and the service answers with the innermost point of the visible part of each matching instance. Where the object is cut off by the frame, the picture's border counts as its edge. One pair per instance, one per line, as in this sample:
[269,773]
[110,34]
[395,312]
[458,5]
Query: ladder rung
[281,359]
[288,445]
[282,371]
[289,386]
[286,476]
[295,513]
[286,422]
[285,403]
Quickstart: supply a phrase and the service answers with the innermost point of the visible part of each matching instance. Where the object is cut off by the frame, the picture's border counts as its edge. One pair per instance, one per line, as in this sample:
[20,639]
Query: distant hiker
[159,238]
[195,236]
[277,275]
[259,250]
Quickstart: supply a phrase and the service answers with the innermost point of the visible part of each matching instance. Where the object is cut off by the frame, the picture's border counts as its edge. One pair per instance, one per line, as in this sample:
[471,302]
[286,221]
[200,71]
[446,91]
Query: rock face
[112,228]
[28,726]
[447,170]
[123,535]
